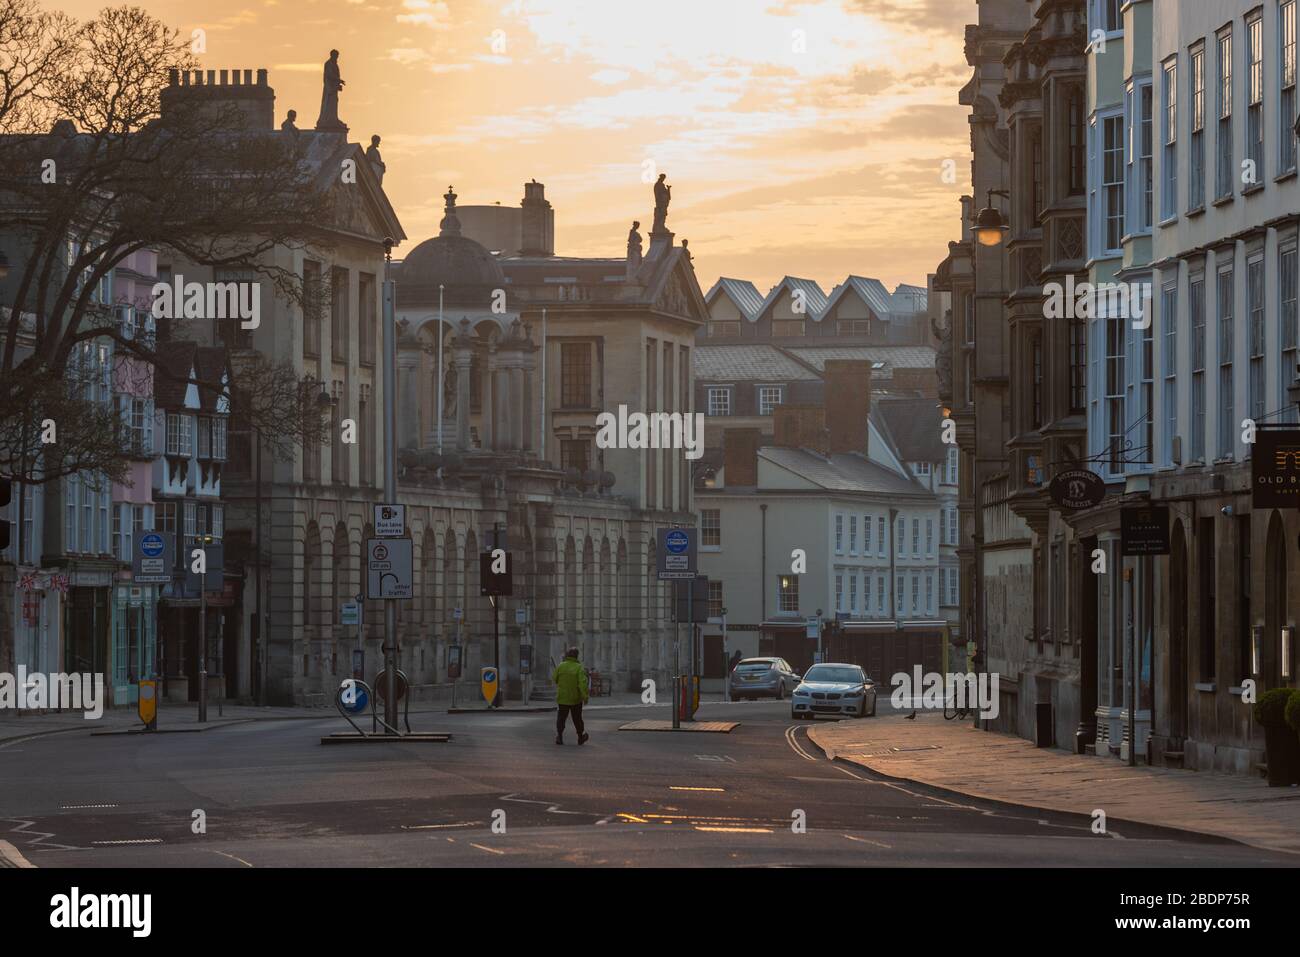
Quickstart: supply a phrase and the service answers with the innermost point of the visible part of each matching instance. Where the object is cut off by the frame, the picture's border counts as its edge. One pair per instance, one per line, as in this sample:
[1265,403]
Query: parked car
[757,678]
[834,689]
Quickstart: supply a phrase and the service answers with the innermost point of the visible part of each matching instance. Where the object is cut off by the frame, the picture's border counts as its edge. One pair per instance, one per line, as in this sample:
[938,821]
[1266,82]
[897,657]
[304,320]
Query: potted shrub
[1281,743]
[1293,713]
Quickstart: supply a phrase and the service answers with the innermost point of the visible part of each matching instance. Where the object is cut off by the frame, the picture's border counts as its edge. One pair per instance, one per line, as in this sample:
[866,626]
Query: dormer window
[212,438]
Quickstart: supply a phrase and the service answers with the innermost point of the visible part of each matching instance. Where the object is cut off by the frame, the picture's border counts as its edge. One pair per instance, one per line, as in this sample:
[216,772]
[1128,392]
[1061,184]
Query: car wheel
[780,691]
[862,711]
[873,708]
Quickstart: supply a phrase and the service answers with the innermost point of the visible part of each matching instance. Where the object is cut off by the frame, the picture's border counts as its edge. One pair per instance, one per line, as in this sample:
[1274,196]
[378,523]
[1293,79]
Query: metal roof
[740,363]
[743,293]
[845,472]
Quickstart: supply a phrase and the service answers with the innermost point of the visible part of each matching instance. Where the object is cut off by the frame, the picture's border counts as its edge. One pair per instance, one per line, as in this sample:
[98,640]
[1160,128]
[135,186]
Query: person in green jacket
[571,687]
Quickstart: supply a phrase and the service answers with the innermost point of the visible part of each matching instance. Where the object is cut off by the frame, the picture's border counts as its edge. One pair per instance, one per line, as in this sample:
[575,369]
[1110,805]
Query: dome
[465,268]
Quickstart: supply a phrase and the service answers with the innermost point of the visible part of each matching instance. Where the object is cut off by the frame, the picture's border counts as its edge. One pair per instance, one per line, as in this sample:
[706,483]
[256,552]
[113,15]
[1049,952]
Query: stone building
[975,367]
[534,346]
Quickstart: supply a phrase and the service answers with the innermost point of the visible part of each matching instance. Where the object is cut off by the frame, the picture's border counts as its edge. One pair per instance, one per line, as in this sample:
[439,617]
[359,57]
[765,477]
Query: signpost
[389,573]
[153,558]
[1076,489]
[390,521]
[147,705]
[676,560]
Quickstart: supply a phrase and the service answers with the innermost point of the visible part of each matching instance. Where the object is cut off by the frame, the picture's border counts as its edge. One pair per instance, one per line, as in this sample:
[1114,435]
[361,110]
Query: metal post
[726,669]
[390,484]
[690,624]
[441,371]
[203,644]
[496,646]
[257,565]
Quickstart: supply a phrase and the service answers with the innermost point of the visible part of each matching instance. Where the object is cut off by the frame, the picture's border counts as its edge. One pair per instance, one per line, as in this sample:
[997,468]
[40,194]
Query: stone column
[464,357]
[517,405]
[408,394]
[526,414]
[488,399]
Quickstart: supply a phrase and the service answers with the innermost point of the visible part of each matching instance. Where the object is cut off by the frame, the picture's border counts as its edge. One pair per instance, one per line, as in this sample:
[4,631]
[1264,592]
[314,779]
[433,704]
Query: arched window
[310,575]
[342,586]
[428,581]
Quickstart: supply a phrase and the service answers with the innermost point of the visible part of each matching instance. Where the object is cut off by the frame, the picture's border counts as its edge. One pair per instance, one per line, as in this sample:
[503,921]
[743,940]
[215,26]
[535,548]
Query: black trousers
[563,711]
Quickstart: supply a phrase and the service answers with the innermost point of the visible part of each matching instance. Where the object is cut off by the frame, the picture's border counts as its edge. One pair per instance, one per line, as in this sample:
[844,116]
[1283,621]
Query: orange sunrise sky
[817,163]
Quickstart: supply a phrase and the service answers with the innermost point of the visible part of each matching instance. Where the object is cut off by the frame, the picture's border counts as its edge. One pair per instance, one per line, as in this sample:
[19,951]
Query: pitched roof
[740,363]
[814,298]
[844,472]
[913,426]
[743,294]
[901,357]
[175,366]
[907,300]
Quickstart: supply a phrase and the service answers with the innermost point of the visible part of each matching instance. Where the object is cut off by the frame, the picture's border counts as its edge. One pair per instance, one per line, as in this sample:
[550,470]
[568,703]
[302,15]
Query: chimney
[740,457]
[229,97]
[800,427]
[537,232]
[924,382]
[848,401]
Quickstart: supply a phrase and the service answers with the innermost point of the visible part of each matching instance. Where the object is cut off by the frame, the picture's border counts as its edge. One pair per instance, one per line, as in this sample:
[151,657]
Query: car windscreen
[754,664]
[832,673]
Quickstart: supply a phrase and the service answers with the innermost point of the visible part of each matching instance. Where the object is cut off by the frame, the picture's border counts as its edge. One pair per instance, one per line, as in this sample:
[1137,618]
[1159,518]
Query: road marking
[138,840]
[856,777]
[736,830]
[790,740]
[434,827]
[490,850]
[552,808]
[715,757]
[233,858]
[676,787]
[865,840]
[633,818]
[83,807]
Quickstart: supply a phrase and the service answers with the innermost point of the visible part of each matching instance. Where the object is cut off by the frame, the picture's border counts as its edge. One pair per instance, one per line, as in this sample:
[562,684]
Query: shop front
[135,644]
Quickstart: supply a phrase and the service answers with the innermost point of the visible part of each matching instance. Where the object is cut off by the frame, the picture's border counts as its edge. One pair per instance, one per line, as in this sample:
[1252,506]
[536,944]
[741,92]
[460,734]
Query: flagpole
[440,368]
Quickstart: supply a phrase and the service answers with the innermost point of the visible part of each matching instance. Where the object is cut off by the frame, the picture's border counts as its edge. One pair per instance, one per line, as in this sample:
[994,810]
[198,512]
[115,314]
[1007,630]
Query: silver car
[762,678]
[838,690]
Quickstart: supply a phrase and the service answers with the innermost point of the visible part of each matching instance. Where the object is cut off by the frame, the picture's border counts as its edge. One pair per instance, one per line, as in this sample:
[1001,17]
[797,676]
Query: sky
[801,137]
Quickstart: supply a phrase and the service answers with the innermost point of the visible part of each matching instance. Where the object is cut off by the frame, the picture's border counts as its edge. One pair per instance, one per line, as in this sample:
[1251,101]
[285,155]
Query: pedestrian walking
[571,688]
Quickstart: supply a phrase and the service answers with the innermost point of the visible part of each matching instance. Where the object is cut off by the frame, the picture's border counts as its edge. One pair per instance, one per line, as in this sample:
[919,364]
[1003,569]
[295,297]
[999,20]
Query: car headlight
[801,693]
[853,694]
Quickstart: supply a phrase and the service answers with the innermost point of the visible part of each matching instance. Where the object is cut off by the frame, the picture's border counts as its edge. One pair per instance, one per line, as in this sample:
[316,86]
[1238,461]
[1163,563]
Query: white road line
[83,807]
[490,850]
[863,840]
[791,740]
[435,827]
[233,858]
[138,840]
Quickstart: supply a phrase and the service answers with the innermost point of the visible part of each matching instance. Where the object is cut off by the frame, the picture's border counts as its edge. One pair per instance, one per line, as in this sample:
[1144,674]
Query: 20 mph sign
[388,568]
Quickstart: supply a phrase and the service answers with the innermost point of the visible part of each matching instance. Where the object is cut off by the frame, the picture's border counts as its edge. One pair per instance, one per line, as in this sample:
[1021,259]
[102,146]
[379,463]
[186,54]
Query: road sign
[814,627]
[457,614]
[389,572]
[488,678]
[353,697]
[691,600]
[525,659]
[453,661]
[153,558]
[350,613]
[521,616]
[676,553]
[492,581]
[214,560]
[147,705]
[390,521]
[358,663]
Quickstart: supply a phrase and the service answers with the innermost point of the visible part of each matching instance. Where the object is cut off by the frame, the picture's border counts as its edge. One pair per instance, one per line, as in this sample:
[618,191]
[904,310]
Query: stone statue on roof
[663,196]
[329,100]
[376,161]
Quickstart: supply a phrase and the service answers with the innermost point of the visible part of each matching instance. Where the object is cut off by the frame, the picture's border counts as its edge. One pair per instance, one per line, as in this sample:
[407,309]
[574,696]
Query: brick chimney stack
[740,457]
[537,233]
[848,402]
[234,99]
[800,427]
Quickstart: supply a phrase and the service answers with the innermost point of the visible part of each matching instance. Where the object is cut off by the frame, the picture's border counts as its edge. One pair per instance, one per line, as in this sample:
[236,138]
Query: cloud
[429,13]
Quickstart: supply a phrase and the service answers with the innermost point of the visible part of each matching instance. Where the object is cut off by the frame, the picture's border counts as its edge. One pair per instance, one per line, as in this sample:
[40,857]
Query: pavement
[957,758]
[263,792]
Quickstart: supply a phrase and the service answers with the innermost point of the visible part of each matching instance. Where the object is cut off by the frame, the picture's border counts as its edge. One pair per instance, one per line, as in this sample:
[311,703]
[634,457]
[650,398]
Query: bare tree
[95,169]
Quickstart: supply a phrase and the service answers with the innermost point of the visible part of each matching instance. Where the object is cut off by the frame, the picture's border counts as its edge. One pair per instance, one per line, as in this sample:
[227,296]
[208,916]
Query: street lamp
[990,227]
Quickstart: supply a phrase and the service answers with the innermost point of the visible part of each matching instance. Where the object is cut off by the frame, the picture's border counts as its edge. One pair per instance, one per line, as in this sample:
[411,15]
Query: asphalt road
[272,795]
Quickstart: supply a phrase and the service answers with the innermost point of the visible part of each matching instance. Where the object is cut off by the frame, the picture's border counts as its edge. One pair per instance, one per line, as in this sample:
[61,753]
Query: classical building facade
[975,368]
[500,440]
